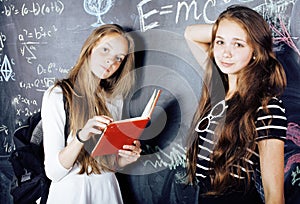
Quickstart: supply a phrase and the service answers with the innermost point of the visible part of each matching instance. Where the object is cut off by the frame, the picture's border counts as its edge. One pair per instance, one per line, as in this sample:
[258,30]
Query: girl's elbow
[187,32]
[55,172]
[51,174]
[272,197]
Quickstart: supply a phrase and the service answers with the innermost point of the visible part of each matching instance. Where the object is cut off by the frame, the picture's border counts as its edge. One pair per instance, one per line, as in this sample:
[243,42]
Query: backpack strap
[67,125]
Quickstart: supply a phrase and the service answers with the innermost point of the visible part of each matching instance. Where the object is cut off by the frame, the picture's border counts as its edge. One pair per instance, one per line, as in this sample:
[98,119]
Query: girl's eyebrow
[235,38]
[240,39]
[111,47]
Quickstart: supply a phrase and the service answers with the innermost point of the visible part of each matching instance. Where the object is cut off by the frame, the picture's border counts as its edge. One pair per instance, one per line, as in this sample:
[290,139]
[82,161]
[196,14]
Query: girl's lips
[225,64]
[104,68]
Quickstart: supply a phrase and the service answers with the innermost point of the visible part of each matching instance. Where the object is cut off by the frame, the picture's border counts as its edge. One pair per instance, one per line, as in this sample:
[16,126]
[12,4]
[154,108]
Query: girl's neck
[232,81]
[229,95]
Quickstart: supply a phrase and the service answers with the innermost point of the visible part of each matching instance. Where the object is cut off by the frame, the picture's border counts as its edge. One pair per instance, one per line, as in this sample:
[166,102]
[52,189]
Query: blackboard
[40,41]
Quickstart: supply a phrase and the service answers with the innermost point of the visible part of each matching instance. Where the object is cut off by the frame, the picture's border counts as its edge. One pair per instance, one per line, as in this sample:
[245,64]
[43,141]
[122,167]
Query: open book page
[149,108]
[151,104]
[119,133]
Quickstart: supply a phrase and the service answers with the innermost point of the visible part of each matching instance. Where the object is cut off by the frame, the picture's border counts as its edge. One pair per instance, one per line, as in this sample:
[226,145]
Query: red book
[124,132]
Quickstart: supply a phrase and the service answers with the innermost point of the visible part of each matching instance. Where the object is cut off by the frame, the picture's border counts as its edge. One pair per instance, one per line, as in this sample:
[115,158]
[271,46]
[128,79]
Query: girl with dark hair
[238,131]
[94,92]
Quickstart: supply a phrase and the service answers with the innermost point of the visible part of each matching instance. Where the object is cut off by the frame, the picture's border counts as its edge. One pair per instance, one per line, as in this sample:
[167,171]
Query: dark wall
[40,41]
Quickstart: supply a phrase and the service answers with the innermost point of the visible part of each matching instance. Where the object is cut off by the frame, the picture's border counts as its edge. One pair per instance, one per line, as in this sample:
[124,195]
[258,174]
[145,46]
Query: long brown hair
[262,79]
[85,92]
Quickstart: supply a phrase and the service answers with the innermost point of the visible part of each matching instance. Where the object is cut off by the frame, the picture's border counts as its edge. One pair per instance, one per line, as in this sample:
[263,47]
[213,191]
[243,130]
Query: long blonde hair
[262,79]
[85,92]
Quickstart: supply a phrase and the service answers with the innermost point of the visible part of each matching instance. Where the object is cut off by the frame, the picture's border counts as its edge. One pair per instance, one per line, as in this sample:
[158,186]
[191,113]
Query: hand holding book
[124,132]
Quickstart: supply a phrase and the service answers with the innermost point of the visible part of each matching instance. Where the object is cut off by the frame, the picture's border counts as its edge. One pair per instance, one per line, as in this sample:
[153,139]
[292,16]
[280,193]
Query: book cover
[122,132]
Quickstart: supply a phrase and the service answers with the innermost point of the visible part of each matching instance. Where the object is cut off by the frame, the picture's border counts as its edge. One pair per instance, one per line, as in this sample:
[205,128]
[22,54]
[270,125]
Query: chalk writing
[7,147]
[39,85]
[97,8]
[2,40]
[293,133]
[295,158]
[272,8]
[6,72]
[191,9]
[188,8]
[176,157]
[24,100]
[284,36]
[24,106]
[4,129]
[33,8]
[182,8]
[30,40]
[52,66]
[295,176]
[143,16]
[25,112]
[29,48]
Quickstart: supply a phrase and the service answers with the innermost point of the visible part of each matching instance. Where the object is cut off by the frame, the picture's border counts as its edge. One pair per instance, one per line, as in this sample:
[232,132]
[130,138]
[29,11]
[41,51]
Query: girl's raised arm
[198,37]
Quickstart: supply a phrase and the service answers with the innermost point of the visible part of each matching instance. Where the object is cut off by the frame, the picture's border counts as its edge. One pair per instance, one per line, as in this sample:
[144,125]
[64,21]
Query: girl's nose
[109,62]
[227,53]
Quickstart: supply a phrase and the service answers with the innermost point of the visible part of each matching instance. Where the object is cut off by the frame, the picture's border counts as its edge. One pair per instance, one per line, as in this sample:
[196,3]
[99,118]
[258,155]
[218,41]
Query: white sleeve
[53,121]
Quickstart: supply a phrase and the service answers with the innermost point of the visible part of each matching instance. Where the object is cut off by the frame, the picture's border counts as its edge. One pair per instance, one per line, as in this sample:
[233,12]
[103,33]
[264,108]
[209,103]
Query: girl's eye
[219,42]
[105,49]
[119,59]
[238,45]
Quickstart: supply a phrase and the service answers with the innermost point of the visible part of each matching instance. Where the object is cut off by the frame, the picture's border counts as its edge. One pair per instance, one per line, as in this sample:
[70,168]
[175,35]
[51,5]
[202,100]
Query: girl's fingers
[137,143]
[129,154]
[98,122]
[103,119]
[131,151]
[95,125]
[133,148]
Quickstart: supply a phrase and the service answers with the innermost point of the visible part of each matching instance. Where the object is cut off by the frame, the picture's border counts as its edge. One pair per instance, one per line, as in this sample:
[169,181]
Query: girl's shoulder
[53,95]
[271,122]
[274,104]
[53,90]
[276,100]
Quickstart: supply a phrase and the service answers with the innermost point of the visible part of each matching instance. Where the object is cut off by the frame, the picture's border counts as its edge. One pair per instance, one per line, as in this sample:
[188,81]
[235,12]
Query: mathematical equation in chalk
[185,10]
[51,68]
[24,100]
[33,8]
[30,40]
[40,85]
[25,106]
[24,112]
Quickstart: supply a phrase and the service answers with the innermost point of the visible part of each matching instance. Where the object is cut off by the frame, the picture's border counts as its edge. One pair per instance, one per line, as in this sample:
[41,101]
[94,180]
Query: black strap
[67,125]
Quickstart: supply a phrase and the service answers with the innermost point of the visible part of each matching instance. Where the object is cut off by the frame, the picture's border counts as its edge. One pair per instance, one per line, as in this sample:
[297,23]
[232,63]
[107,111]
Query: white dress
[68,187]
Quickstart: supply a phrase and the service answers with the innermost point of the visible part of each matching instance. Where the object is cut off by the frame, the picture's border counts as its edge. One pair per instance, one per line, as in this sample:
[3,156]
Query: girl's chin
[225,70]
[100,75]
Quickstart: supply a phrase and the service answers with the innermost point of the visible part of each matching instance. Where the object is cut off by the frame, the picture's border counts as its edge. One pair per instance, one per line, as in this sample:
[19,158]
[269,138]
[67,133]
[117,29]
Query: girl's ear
[254,55]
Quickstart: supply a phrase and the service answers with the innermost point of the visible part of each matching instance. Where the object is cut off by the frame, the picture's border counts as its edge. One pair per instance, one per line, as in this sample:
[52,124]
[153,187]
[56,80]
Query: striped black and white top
[265,129]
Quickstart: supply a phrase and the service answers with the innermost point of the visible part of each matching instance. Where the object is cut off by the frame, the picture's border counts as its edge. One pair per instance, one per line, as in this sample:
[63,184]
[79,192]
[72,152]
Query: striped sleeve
[272,124]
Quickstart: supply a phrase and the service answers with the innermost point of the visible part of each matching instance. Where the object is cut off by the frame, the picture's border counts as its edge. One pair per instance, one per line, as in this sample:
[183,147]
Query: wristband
[78,138]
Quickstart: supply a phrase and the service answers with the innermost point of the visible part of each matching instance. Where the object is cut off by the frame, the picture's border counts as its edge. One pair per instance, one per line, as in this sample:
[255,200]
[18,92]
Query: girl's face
[232,51]
[108,54]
